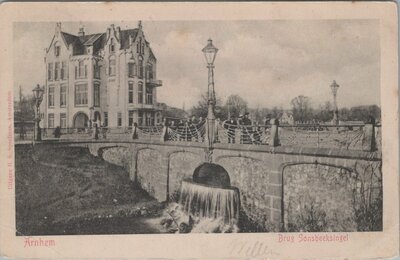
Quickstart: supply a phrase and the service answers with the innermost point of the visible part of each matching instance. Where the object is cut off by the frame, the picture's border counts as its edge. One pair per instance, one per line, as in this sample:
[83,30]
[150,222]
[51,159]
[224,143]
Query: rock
[144,212]
[184,228]
[167,223]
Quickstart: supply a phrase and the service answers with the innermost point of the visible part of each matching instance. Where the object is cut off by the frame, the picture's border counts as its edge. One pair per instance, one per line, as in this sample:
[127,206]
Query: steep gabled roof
[88,40]
[125,37]
[69,38]
[152,54]
[98,41]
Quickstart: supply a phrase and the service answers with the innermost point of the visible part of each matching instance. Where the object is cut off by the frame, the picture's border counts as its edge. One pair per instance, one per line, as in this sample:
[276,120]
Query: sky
[266,62]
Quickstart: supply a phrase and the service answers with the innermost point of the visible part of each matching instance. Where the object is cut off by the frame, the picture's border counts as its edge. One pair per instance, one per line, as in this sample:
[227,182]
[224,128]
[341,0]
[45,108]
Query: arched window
[111,68]
[142,48]
[112,45]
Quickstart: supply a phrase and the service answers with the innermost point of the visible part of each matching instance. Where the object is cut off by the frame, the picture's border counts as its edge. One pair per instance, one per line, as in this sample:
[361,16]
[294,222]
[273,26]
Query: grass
[66,190]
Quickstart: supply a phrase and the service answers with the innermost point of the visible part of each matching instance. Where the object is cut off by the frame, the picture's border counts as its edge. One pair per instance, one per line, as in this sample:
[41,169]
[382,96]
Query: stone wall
[151,173]
[260,199]
[318,198]
[117,155]
[343,180]
[181,166]
[329,198]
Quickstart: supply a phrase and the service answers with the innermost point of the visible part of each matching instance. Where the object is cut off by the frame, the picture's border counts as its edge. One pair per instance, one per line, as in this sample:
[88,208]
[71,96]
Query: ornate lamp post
[38,96]
[334,88]
[210,52]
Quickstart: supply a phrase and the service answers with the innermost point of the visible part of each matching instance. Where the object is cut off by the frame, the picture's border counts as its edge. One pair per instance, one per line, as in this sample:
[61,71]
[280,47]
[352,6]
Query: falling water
[210,202]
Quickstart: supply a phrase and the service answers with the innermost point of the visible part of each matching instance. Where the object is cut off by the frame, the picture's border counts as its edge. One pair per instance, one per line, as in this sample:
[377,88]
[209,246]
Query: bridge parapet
[365,137]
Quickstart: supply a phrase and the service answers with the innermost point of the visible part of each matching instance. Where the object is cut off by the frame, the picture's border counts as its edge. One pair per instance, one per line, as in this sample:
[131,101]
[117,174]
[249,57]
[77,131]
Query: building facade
[108,78]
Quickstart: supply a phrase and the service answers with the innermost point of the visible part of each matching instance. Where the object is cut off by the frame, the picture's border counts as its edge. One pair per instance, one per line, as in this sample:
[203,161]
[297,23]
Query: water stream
[207,202]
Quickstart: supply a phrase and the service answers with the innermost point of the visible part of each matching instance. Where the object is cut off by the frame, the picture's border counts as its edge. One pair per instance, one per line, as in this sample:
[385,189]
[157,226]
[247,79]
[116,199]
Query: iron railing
[349,137]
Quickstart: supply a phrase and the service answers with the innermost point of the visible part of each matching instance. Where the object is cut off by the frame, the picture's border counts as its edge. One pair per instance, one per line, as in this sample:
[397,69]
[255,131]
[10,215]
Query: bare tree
[301,108]
[235,105]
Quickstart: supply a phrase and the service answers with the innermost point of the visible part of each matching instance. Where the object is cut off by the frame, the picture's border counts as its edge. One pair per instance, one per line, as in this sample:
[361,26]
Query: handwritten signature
[251,249]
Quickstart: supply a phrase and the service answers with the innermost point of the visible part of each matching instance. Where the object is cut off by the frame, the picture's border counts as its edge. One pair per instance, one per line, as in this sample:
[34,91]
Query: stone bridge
[280,187]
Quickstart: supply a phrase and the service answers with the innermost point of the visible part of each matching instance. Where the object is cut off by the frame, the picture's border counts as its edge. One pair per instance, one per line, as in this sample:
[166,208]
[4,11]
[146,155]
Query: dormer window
[112,45]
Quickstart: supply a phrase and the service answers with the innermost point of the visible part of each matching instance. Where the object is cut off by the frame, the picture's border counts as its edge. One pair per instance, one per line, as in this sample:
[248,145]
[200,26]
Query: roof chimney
[81,32]
[58,27]
[119,32]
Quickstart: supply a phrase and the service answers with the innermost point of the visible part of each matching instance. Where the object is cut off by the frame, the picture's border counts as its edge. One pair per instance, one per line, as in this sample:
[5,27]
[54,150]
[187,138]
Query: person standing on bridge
[230,125]
[246,129]
[134,131]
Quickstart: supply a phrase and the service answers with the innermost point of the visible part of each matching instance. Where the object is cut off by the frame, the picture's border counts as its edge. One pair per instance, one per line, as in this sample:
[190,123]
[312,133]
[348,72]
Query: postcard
[235,130]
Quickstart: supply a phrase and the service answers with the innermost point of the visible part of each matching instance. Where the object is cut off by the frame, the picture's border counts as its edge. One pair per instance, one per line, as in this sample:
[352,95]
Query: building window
[51,96]
[140,117]
[85,71]
[119,118]
[105,118]
[142,48]
[140,93]
[96,71]
[112,45]
[56,70]
[150,118]
[149,71]
[50,71]
[57,49]
[63,95]
[131,69]
[149,95]
[130,118]
[81,95]
[80,71]
[50,121]
[63,120]
[63,70]
[112,66]
[140,68]
[96,95]
[130,93]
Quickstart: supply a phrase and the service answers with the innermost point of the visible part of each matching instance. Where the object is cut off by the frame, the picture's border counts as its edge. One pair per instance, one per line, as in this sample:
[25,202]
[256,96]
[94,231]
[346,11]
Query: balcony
[154,82]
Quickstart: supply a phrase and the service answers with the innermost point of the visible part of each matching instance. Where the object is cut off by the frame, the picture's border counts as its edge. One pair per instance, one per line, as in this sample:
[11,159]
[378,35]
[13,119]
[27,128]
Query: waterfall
[205,201]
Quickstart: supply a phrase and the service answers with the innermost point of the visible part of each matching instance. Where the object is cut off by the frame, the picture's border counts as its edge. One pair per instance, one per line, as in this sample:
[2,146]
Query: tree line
[301,110]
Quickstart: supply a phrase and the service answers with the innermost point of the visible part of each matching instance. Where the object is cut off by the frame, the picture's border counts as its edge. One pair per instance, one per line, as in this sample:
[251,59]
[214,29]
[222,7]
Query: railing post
[134,132]
[368,141]
[274,132]
[164,133]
